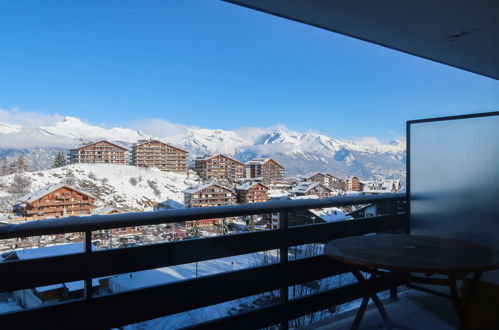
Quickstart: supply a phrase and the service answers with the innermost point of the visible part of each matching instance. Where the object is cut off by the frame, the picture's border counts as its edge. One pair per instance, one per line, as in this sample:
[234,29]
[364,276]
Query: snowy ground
[123,186]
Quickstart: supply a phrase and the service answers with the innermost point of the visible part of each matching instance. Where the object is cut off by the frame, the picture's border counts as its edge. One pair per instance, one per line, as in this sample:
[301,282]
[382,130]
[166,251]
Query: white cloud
[28,118]
[33,139]
[159,127]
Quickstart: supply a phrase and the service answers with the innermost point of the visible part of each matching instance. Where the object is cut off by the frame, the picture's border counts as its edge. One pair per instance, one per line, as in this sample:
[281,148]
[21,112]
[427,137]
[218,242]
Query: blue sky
[212,64]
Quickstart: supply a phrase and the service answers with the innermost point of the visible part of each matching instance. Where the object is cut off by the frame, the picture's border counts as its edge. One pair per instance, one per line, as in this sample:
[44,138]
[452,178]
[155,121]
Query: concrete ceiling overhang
[463,34]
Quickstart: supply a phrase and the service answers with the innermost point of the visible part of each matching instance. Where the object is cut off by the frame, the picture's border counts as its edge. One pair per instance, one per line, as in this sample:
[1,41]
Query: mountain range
[298,152]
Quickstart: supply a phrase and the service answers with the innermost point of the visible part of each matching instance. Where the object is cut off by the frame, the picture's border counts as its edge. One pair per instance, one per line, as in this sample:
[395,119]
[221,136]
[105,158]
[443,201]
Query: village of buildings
[223,180]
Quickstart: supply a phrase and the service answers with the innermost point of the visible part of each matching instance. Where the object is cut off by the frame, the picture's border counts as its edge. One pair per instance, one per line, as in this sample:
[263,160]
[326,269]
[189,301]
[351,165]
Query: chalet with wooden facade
[252,192]
[210,194]
[206,195]
[219,167]
[312,189]
[98,152]
[55,201]
[265,170]
[154,153]
[324,178]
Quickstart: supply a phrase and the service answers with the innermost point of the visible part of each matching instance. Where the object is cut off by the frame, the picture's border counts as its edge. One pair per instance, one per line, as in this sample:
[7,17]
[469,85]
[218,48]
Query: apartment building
[265,170]
[98,152]
[324,178]
[154,153]
[206,195]
[353,184]
[252,192]
[210,194]
[219,167]
[55,201]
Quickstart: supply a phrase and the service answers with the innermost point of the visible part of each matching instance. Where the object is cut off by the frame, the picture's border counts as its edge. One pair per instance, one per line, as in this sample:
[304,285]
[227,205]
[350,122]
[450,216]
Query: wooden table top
[413,253]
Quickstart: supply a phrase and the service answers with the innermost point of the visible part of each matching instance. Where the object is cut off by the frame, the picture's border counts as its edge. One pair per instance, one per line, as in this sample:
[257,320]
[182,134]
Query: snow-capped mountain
[300,153]
[9,128]
[77,129]
[207,141]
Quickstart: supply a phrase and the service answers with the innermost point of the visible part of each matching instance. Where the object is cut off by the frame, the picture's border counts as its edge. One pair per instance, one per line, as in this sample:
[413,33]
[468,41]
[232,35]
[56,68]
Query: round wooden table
[403,257]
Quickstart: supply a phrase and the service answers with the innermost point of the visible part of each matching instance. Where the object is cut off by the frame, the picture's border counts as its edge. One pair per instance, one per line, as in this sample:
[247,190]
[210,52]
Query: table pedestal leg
[371,295]
[462,305]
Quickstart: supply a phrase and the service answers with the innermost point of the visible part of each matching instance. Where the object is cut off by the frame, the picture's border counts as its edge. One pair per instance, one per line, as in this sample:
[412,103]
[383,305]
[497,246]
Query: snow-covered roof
[249,185]
[305,187]
[33,196]
[277,193]
[311,174]
[261,161]
[194,190]
[218,155]
[47,251]
[107,209]
[330,214]
[169,204]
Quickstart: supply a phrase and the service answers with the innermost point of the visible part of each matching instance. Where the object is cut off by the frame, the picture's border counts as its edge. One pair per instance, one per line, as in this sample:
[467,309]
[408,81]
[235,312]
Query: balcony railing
[138,305]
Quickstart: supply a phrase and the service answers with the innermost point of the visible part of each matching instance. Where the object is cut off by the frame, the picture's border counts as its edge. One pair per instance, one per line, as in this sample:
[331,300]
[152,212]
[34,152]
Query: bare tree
[70,179]
[19,185]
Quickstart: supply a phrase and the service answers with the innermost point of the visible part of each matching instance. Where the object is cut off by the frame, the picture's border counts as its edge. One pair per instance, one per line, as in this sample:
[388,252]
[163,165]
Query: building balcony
[125,307]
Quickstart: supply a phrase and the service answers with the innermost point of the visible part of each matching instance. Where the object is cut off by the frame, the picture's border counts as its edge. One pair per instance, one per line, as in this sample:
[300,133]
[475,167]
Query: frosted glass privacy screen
[453,177]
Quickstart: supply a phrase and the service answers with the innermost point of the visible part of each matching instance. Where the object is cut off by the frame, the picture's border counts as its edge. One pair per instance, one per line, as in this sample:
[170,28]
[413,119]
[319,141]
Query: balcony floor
[413,310]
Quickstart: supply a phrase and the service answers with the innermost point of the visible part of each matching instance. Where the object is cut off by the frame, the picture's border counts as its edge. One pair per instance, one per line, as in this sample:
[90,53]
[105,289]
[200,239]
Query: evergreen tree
[251,223]
[195,231]
[59,160]
[224,229]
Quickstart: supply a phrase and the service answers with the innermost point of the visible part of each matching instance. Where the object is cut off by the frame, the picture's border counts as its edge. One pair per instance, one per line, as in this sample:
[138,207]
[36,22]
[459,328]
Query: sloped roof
[92,143]
[310,174]
[107,209]
[194,190]
[305,187]
[142,142]
[218,155]
[261,161]
[249,185]
[33,196]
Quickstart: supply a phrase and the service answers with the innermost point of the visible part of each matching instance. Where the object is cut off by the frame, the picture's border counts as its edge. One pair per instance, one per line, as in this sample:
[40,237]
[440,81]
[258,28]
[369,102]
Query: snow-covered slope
[300,153]
[112,185]
[9,128]
[77,129]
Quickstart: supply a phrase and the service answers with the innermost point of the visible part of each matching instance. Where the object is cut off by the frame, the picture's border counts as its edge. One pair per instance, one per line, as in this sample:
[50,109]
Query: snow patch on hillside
[112,185]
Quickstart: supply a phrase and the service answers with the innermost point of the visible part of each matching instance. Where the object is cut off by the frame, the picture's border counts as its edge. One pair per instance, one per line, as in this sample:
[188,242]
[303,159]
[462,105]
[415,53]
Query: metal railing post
[88,279]
[283,259]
